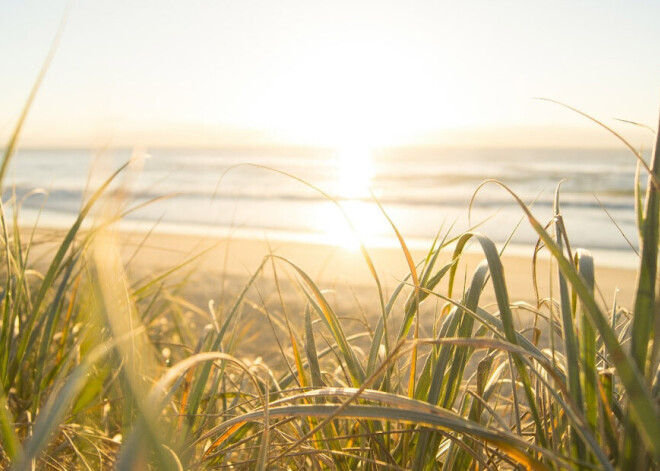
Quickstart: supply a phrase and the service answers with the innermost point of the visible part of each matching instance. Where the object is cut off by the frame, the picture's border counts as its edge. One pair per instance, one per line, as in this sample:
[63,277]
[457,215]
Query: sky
[330,73]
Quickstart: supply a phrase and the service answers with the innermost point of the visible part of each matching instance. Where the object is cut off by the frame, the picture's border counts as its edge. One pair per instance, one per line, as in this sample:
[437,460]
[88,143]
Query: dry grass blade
[625,142]
[635,123]
[394,353]
[616,225]
[160,390]
[441,419]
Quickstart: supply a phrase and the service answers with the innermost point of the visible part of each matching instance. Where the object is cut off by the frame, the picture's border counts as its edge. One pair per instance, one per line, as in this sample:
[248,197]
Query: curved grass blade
[438,418]
[638,156]
[644,409]
[354,366]
[146,432]
[635,123]
[448,383]
[526,347]
[502,297]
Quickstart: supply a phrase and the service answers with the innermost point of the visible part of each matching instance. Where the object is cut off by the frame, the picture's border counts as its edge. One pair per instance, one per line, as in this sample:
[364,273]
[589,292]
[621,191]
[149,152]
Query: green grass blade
[568,326]
[447,384]
[639,204]
[645,297]
[7,319]
[8,437]
[355,368]
[198,390]
[53,269]
[643,323]
[416,299]
[310,350]
[50,319]
[13,141]
[411,306]
[588,352]
[437,363]
[645,411]
[502,296]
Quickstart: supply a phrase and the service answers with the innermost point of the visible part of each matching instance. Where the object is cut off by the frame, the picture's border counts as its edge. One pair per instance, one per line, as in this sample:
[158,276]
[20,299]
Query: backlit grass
[97,371]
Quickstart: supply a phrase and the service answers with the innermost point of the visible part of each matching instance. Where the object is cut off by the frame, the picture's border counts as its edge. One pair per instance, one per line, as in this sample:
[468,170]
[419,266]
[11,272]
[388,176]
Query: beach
[329,235]
[230,208]
[329,266]
[218,268]
[285,194]
[253,281]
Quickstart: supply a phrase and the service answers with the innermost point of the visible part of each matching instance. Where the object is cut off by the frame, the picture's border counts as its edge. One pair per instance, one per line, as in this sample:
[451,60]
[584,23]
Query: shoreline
[623,258]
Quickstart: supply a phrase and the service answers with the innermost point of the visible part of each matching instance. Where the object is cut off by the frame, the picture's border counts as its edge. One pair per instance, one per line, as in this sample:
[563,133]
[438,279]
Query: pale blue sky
[329,73]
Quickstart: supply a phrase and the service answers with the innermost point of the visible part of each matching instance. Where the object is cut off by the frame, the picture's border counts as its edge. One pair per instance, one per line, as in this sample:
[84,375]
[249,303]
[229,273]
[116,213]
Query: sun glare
[355,172]
[365,219]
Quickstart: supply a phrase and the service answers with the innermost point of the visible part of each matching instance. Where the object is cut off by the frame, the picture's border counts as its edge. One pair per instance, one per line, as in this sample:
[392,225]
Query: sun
[365,225]
[354,176]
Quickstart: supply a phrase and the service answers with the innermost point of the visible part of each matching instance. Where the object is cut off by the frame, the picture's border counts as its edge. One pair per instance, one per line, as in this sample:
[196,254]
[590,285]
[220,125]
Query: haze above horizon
[345,74]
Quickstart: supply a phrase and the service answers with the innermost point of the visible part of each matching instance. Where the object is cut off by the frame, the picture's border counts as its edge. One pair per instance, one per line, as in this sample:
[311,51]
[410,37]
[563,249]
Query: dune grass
[99,372]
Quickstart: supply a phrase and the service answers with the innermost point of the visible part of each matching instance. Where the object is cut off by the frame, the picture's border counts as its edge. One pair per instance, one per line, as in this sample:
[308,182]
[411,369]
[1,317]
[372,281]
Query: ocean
[425,192]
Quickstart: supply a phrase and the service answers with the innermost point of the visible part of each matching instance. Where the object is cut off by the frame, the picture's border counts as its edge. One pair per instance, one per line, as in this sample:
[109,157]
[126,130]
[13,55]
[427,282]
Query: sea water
[292,193]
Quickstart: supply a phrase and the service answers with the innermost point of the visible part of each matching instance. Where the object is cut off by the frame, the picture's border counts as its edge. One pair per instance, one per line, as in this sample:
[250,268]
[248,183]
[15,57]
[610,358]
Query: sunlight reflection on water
[365,217]
[355,171]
